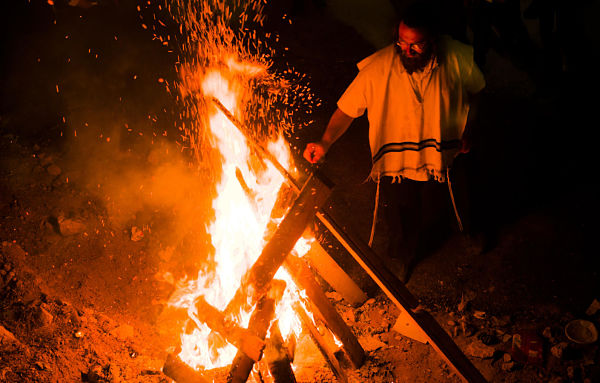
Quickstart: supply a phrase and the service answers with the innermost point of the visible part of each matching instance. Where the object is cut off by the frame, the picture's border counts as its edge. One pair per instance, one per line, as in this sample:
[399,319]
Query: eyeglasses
[415,48]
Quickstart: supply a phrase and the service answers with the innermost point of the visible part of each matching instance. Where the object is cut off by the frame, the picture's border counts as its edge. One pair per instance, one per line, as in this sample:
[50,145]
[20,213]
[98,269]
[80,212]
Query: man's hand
[338,124]
[314,152]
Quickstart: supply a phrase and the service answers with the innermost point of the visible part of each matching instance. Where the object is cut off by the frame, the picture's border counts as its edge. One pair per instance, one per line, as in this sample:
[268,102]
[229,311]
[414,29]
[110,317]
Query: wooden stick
[259,324]
[399,294]
[180,372]
[315,192]
[243,339]
[277,357]
[252,141]
[305,279]
[308,325]
[334,275]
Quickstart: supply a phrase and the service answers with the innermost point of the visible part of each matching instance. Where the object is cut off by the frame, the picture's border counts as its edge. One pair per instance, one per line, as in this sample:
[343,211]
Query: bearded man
[417,92]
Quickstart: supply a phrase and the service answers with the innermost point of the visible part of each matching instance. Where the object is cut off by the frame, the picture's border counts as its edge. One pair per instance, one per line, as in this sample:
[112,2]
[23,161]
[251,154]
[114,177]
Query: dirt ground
[100,213]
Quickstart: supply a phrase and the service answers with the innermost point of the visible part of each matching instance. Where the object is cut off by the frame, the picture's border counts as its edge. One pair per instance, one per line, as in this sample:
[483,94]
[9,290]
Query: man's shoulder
[382,57]
[454,50]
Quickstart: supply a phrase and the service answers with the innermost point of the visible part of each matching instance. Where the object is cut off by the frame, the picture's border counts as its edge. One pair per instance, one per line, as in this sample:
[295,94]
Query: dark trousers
[417,216]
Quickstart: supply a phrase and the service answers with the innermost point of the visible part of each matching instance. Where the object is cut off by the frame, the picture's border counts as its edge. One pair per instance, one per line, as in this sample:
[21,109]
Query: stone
[479,350]
[69,226]
[7,337]
[378,319]
[53,170]
[334,295]
[348,315]
[503,321]
[593,308]
[369,302]
[42,317]
[136,234]
[558,349]
[74,317]
[94,374]
[371,343]
[508,366]
[45,159]
[123,332]
[479,314]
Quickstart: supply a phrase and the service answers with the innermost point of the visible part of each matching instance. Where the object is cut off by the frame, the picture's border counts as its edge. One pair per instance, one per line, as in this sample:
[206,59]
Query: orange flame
[238,231]
[246,193]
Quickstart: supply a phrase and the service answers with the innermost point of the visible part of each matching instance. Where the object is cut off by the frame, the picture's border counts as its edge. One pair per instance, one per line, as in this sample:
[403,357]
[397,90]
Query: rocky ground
[94,235]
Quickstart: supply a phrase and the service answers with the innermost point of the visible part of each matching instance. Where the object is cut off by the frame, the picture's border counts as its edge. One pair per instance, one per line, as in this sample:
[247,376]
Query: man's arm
[338,124]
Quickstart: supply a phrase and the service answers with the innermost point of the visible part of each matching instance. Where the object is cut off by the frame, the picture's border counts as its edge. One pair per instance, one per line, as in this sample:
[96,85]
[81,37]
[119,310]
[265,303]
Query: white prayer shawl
[416,120]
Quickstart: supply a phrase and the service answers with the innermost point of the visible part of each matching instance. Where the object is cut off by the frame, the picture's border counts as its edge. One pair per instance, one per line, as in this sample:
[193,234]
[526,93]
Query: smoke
[146,186]
[120,134]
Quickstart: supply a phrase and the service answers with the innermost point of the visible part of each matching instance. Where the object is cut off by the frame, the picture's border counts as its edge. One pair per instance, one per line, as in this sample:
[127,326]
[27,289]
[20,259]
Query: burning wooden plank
[313,195]
[304,278]
[278,358]
[399,294]
[243,339]
[259,324]
[321,343]
[180,372]
[334,275]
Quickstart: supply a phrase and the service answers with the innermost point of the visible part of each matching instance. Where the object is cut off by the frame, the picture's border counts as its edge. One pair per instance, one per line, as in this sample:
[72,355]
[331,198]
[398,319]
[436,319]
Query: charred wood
[313,195]
[399,294]
[259,324]
[243,339]
[305,279]
[180,372]
[256,282]
[321,343]
[278,357]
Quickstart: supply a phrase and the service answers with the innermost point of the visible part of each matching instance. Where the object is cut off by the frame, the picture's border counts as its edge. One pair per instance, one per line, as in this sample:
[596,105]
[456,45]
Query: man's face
[414,48]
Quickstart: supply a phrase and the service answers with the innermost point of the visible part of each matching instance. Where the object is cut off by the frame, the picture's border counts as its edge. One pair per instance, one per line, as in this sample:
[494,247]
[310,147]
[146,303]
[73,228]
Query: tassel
[375,213]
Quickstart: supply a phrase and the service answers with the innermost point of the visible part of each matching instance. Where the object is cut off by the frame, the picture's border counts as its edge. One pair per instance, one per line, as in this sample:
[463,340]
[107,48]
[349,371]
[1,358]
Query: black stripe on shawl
[415,146]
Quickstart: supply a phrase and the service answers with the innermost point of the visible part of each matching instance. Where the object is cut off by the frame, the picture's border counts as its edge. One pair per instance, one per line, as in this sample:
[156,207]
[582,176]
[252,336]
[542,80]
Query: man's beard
[417,63]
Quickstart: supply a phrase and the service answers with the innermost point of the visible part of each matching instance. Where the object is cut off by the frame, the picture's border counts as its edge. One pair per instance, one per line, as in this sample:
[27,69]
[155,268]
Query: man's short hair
[422,15]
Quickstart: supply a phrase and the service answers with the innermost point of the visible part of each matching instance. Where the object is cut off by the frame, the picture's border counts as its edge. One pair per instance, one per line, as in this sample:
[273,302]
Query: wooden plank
[180,372]
[313,195]
[407,326]
[305,279]
[259,324]
[315,192]
[278,358]
[399,294]
[243,339]
[334,275]
[321,343]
